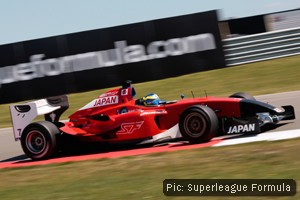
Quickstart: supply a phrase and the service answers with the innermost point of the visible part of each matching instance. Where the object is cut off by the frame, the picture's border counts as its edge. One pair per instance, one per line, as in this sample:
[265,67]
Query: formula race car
[116,116]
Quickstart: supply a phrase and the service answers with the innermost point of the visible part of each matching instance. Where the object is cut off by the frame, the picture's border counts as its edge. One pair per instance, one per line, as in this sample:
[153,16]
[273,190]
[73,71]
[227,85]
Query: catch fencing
[260,47]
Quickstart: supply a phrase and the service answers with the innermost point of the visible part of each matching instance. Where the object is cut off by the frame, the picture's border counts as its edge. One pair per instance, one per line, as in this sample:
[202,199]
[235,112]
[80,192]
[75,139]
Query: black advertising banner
[105,57]
[247,25]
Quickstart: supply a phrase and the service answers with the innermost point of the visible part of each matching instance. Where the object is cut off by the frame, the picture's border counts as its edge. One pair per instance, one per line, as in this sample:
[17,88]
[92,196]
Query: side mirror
[182,96]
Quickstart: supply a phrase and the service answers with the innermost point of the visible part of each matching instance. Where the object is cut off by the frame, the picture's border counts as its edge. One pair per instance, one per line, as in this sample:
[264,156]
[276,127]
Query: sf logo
[127,128]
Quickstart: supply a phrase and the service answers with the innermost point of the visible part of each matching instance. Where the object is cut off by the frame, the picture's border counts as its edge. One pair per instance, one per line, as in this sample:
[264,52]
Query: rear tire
[198,124]
[38,140]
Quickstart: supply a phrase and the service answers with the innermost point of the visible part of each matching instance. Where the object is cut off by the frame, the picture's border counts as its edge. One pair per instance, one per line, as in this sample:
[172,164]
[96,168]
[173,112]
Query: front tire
[38,140]
[198,124]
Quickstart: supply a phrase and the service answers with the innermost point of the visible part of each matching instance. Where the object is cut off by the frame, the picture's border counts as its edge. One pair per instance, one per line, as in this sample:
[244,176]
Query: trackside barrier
[264,46]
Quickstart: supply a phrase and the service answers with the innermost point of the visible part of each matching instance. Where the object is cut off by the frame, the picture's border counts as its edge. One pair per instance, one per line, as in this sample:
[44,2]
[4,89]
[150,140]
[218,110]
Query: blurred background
[69,47]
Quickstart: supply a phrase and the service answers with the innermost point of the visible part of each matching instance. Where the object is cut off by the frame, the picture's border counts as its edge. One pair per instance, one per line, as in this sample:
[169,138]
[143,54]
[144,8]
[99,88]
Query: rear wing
[23,114]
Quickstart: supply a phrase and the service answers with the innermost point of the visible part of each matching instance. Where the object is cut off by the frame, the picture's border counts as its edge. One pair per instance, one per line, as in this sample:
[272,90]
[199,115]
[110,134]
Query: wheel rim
[36,142]
[194,125]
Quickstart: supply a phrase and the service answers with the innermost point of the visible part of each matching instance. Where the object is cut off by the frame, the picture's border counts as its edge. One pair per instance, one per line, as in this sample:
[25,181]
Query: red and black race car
[116,117]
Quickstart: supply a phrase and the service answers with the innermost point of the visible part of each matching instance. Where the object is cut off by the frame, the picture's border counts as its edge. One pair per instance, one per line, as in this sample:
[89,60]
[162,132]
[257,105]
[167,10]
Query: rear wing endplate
[23,114]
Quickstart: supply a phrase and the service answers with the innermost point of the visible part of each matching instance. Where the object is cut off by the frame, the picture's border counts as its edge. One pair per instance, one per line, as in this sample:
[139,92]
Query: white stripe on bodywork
[171,133]
[271,136]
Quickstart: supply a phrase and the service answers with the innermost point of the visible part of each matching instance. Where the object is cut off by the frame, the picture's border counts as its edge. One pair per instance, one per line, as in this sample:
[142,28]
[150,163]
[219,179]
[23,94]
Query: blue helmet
[150,99]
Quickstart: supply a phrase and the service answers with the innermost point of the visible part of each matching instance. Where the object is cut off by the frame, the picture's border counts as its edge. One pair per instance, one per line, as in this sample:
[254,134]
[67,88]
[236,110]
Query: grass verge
[141,177]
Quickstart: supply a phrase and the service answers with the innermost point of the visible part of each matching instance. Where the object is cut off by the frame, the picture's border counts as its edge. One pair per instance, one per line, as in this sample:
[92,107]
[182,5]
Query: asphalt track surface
[11,154]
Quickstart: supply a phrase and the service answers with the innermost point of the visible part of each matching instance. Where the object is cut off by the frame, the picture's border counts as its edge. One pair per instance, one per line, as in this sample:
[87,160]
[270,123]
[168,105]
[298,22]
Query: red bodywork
[114,116]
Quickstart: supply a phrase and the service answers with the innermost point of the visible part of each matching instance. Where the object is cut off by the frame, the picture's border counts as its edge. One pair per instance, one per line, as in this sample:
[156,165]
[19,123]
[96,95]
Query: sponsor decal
[124,92]
[153,112]
[127,128]
[109,94]
[124,110]
[278,110]
[52,116]
[106,101]
[41,102]
[241,128]
[122,53]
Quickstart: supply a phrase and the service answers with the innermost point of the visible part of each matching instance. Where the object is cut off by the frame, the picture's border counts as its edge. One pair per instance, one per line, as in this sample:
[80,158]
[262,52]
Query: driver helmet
[150,99]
